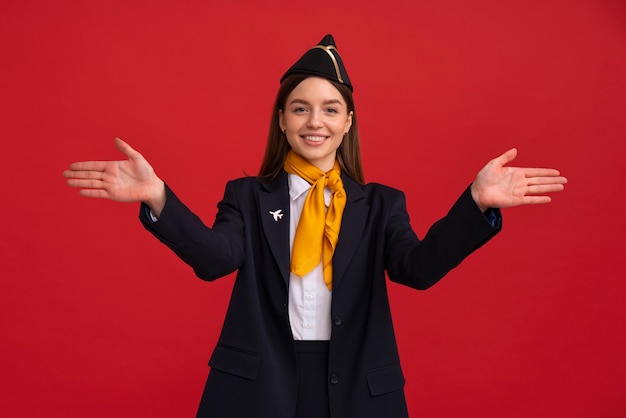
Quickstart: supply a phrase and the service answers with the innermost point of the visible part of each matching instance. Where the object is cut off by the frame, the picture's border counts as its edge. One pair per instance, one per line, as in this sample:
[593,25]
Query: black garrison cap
[323,60]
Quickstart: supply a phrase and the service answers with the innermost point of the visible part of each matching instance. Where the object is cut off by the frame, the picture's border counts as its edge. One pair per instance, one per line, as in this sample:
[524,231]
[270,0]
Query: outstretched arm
[497,186]
[130,180]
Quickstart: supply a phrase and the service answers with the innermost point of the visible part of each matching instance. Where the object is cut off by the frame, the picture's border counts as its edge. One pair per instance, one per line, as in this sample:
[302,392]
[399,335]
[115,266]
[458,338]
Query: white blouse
[309,298]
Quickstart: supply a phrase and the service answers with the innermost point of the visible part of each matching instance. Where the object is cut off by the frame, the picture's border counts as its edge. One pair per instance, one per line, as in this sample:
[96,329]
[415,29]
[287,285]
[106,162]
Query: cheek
[291,124]
[290,139]
[336,143]
[341,127]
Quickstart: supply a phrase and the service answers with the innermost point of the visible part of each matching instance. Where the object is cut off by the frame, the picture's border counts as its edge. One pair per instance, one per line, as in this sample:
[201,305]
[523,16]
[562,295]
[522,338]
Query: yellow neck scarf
[318,229]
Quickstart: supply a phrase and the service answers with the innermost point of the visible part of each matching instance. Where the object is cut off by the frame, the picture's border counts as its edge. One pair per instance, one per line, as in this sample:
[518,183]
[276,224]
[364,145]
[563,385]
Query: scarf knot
[317,232]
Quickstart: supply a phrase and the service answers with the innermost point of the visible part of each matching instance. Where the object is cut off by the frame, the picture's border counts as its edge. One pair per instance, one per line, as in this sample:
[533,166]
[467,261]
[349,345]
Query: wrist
[156,201]
[476,197]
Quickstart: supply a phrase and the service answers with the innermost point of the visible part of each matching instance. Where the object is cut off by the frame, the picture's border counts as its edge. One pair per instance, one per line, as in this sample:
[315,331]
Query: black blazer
[253,368]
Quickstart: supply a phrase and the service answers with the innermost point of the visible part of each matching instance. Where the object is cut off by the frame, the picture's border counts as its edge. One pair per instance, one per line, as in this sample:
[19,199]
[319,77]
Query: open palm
[131,180]
[497,186]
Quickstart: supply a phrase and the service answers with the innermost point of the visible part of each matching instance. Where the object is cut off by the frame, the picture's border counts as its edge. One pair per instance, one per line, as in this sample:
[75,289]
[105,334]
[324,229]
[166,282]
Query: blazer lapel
[275,196]
[274,211]
[352,224]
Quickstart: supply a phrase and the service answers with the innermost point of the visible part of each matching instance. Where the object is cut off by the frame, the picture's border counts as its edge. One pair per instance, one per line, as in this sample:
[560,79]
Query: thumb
[126,149]
[507,157]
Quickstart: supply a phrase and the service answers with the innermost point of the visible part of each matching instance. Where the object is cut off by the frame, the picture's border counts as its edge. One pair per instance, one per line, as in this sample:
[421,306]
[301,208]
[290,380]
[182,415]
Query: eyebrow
[326,102]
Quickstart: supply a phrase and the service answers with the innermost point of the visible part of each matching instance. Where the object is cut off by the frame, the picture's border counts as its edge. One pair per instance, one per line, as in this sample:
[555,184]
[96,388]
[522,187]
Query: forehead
[314,89]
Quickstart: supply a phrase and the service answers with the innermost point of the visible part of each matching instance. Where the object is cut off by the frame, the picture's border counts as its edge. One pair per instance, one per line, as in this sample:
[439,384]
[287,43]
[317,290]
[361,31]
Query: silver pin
[277,214]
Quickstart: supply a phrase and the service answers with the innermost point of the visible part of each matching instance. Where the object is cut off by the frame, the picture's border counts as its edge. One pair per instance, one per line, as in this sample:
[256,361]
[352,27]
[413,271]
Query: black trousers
[312,359]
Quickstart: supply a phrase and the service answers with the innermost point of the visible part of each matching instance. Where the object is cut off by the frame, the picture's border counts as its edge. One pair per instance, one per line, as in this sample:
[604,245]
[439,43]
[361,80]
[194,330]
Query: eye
[332,110]
[299,110]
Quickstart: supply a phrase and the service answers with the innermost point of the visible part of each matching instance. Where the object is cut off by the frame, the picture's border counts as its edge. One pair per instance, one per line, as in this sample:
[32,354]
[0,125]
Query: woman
[308,332]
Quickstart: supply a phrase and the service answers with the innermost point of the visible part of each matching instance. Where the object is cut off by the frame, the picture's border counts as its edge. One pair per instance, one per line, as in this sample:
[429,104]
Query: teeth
[315,138]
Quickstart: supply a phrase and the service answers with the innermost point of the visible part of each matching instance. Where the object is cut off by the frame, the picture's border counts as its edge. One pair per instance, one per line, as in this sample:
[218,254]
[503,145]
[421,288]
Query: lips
[314,138]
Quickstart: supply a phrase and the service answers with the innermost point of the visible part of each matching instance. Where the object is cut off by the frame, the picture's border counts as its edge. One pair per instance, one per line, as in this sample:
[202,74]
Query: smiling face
[315,118]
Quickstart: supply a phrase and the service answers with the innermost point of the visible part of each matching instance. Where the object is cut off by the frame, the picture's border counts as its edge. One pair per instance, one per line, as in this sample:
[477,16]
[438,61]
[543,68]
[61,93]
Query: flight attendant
[308,332]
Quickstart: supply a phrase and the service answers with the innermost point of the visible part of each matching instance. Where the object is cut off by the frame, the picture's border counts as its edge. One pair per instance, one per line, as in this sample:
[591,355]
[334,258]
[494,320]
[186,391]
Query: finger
[91,174]
[88,165]
[536,200]
[541,172]
[545,188]
[95,193]
[86,184]
[546,180]
[507,157]
[126,149]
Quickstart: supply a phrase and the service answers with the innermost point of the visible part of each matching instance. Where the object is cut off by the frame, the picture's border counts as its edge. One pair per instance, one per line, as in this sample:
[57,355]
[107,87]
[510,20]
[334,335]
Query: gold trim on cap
[332,57]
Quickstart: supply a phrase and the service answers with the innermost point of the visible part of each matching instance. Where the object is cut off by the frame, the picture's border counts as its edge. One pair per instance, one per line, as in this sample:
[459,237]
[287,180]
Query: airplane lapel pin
[277,214]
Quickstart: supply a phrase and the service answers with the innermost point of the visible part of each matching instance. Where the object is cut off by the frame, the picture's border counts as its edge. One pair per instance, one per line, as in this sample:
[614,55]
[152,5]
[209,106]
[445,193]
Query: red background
[99,319]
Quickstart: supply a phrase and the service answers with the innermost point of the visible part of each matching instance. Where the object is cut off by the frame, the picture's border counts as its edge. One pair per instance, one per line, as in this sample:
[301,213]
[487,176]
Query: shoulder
[381,189]
[247,189]
[256,183]
[380,199]
[383,197]
[244,182]
[371,190]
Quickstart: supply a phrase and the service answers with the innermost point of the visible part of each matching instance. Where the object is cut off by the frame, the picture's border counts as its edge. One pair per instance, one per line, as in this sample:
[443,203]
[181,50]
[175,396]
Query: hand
[497,186]
[131,180]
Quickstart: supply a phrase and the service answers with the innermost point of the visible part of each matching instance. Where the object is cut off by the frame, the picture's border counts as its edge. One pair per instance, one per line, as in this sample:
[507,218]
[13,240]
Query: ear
[281,120]
[349,122]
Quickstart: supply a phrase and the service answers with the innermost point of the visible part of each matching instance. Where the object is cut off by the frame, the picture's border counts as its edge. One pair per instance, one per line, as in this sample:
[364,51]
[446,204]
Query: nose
[315,120]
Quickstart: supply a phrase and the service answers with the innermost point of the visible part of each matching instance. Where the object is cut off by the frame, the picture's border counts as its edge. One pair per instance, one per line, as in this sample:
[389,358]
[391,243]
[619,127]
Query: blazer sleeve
[420,264]
[211,252]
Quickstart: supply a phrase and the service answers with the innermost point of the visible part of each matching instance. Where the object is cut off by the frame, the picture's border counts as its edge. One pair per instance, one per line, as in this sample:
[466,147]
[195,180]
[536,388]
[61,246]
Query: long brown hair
[348,153]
